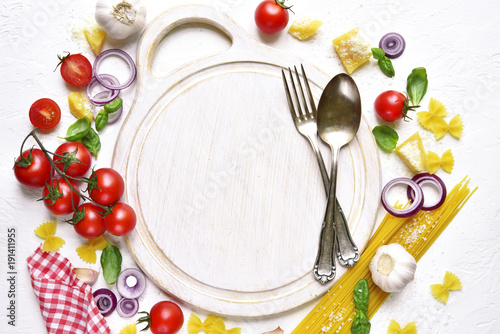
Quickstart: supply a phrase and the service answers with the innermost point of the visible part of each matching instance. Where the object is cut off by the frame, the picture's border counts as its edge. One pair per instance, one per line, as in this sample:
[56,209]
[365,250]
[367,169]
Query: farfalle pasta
[442,291]
[46,231]
[427,119]
[220,328]
[433,121]
[129,329]
[88,252]
[195,325]
[455,127]
[446,161]
[395,328]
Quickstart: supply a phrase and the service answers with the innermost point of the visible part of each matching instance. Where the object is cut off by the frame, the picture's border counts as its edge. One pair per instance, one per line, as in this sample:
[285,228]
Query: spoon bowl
[338,119]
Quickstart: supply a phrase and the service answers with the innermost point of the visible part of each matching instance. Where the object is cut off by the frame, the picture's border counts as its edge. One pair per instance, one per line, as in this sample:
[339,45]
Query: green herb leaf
[111,263]
[101,120]
[78,130]
[386,67]
[384,63]
[386,137]
[361,323]
[114,105]
[378,53]
[360,295]
[92,142]
[416,85]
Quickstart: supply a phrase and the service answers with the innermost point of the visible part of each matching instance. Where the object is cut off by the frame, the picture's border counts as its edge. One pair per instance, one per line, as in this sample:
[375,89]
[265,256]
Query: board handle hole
[186,43]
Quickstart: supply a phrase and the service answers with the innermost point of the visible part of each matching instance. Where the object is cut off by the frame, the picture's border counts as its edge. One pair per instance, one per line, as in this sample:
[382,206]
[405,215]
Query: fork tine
[311,99]
[296,95]
[288,96]
[304,102]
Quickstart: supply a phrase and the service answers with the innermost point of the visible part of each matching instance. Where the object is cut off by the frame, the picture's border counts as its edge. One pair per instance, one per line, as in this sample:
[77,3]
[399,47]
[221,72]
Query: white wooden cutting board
[228,195]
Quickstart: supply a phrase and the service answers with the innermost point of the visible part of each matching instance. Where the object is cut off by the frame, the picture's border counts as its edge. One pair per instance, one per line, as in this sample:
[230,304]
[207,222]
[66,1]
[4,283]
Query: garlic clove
[86,275]
[392,267]
[276,331]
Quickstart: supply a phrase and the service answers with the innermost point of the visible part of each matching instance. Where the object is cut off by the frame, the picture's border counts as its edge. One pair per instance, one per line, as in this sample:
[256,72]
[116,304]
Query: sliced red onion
[113,117]
[122,54]
[105,300]
[131,283]
[103,97]
[410,210]
[127,307]
[393,44]
[424,178]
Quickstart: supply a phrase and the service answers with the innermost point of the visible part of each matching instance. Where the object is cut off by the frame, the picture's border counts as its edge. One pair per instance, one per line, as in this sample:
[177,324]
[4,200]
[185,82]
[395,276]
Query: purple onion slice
[127,307]
[393,44]
[100,77]
[131,283]
[104,96]
[411,209]
[105,300]
[424,178]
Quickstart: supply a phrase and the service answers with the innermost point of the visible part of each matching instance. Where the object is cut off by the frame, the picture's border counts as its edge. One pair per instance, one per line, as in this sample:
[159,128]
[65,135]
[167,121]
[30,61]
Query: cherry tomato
[165,318]
[62,205]
[121,221]
[92,226]
[80,152]
[271,16]
[44,114]
[36,173]
[110,186]
[76,70]
[391,106]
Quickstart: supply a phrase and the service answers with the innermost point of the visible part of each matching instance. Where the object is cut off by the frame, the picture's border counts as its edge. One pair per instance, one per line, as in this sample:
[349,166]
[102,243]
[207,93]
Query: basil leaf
[92,142]
[416,85]
[386,137]
[114,105]
[111,263]
[78,130]
[378,53]
[360,324]
[360,295]
[101,120]
[384,63]
[386,67]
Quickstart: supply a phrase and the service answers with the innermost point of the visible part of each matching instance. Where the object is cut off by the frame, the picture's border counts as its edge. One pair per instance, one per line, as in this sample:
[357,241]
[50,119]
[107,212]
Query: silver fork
[304,117]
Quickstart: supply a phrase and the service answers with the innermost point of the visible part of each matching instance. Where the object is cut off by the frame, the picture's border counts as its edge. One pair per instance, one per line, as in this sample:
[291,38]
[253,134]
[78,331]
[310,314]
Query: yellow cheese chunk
[79,106]
[413,153]
[352,49]
[303,28]
[95,36]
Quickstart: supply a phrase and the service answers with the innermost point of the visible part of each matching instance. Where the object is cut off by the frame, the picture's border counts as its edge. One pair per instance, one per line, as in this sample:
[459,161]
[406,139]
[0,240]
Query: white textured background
[457,42]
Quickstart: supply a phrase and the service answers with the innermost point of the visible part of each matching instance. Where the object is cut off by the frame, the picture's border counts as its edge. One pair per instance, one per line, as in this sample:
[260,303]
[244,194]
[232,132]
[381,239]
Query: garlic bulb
[120,18]
[392,267]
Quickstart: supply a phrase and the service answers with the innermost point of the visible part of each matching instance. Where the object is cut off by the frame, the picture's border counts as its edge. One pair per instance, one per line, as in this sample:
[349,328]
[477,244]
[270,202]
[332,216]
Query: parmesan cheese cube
[413,153]
[352,49]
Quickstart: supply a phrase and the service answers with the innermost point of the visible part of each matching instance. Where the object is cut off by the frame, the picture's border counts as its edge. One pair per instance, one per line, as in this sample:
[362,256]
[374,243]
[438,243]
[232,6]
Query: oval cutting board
[228,195]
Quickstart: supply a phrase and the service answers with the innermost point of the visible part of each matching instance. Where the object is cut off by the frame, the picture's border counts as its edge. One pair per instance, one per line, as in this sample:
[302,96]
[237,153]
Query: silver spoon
[339,115]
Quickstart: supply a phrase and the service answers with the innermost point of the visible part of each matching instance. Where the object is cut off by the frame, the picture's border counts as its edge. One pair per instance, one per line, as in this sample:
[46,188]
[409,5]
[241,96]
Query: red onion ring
[127,290]
[424,178]
[103,97]
[105,300]
[127,307]
[410,210]
[122,54]
[393,44]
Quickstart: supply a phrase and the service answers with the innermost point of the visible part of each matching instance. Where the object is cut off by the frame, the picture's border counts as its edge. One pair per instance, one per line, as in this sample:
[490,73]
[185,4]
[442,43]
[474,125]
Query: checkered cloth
[66,303]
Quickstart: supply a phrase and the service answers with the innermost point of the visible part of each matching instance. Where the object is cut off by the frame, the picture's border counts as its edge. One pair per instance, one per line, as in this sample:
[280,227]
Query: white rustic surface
[455,42]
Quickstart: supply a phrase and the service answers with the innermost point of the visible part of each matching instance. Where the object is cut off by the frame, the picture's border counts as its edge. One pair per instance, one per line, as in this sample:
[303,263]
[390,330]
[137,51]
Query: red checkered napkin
[66,303]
